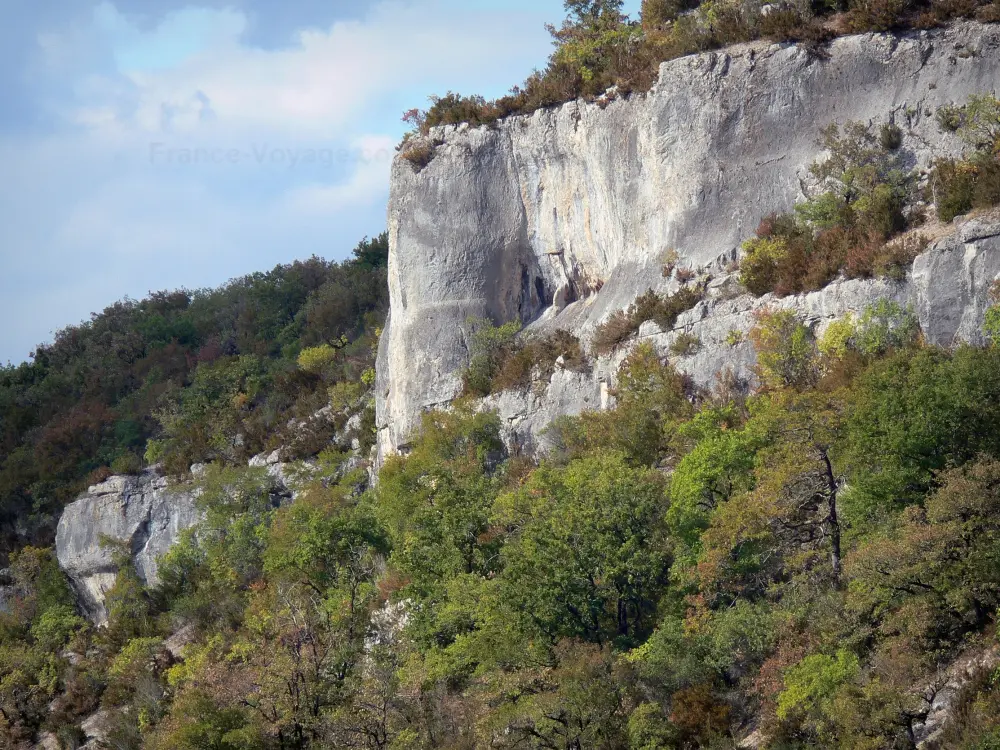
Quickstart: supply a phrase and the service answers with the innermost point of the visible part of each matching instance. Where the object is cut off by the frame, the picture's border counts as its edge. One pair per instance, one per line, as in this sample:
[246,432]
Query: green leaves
[586,556]
[812,684]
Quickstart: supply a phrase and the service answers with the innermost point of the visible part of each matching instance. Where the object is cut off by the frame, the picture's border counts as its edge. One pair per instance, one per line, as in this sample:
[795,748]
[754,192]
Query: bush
[317,359]
[664,311]
[848,227]
[501,361]
[127,464]
[419,152]
[890,137]
[761,264]
[991,321]
[883,327]
[785,350]
[877,15]
[959,186]
[598,48]
[685,345]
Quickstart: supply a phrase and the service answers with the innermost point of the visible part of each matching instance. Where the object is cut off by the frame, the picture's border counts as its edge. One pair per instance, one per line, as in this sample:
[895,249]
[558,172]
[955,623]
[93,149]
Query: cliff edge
[563,217]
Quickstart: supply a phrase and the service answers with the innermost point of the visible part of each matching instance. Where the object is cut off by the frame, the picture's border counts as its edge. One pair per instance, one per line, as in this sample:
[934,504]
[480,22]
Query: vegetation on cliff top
[598,48]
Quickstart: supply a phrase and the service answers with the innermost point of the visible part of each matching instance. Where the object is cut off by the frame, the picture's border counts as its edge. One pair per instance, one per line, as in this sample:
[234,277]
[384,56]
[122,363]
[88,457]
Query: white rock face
[562,217]
[143,512]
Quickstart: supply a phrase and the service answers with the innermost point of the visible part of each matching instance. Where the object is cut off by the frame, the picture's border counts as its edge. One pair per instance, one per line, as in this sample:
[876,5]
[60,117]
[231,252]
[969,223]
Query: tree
[586,557]
[435,505]
[373,253]
[592,41]
[652,399]
[914,413]
[718,468]
[942,556]
[794,505]
[811,690]
[785,350]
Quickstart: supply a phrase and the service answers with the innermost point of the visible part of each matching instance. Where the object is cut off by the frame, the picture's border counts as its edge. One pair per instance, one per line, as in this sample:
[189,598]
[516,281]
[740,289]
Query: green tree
[914,413]
[811,689]
[586,557]
[786,352]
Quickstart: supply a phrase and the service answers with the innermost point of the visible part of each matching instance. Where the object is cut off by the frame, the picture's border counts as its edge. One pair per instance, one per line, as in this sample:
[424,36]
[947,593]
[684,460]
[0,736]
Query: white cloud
[91,213]
[368,184]
[329,77]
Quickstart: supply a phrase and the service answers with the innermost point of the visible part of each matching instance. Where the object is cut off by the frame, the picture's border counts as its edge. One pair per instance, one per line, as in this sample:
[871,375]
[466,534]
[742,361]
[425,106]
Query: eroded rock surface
[562,217]
[144,513]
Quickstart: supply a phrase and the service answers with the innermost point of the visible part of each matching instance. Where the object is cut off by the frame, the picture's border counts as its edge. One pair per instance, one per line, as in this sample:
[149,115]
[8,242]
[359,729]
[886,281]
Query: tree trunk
[832,519]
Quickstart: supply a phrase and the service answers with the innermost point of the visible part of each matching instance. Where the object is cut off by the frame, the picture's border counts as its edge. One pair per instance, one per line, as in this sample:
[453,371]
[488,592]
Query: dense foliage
[211,374]
[806,559]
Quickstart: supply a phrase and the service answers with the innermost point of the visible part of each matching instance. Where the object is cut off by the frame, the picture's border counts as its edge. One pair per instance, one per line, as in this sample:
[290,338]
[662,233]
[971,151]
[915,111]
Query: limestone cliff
[142,513]
[563,217]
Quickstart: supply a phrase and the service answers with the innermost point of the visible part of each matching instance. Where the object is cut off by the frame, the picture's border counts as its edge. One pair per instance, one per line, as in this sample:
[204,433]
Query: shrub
[598,48]
[734,337]
[419,152]
[991,322]
[785,350]
[98,475]
[685,345]
[613,332]
[890,137]
[539,353]
[836,339]
[885,326]
[317,359]
[963,185]
[760,266]
[953,183]
[664,311]
[973,182]
[977,122]
[501,361]
[127,464]
[847,227]
[877,15]
[811,687]
[670,259]
[489,346]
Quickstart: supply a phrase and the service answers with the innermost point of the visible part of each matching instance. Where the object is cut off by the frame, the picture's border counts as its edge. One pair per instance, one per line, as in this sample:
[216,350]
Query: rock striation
[144,514]
[563,217]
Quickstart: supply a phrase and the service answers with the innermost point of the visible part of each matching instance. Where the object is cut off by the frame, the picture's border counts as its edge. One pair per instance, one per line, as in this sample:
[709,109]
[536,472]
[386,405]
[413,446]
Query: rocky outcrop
[945,694]
[948,289]
[143,514]
[562,217]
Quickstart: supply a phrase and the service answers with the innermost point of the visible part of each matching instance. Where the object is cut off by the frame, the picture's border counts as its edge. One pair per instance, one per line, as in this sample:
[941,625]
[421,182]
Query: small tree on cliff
[591,38]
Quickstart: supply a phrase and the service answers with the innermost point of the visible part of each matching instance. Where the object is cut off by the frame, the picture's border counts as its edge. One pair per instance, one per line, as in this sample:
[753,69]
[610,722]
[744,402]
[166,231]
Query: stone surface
[562,217]
[143,512]
[96,728]
[947,692]
[146,513]
[48,741]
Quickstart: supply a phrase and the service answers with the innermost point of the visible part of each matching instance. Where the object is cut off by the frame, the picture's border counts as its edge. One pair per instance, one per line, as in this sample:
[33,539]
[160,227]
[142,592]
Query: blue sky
[154,144]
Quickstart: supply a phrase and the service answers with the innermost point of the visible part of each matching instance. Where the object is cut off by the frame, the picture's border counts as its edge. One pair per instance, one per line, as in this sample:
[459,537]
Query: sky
[160,144]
